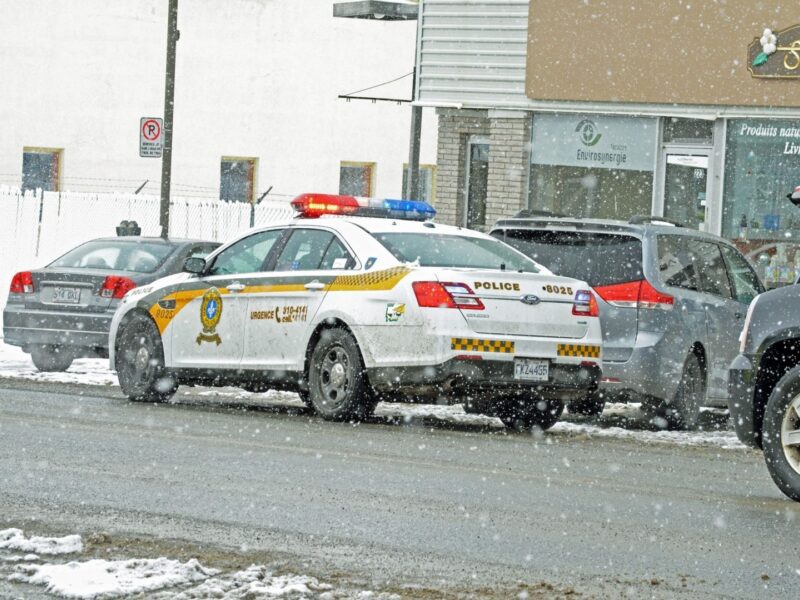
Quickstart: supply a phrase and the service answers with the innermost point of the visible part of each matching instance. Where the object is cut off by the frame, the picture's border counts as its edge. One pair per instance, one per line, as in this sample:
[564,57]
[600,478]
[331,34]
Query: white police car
[352,309]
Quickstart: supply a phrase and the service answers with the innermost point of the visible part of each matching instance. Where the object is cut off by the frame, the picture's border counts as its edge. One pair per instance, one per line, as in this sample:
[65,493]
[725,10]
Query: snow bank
[14,539]
[111,579]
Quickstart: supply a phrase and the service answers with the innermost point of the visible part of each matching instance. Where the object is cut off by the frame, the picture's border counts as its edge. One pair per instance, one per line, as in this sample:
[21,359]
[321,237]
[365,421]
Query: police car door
[209,331]
[281,312]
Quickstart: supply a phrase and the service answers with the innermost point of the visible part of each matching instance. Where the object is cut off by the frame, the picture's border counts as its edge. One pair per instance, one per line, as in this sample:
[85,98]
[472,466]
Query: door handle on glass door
[236,287]
[315,286]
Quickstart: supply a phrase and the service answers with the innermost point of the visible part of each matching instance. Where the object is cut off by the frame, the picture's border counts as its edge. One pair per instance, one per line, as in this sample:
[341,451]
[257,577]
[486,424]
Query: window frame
[253,161]
[265,264]
[372,166]
[57,153]
[352,264]
[428,168]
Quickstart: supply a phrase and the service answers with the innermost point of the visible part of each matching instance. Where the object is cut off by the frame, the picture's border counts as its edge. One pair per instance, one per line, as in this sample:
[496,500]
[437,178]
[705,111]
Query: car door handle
[236,287]
[315,286]
[738,315]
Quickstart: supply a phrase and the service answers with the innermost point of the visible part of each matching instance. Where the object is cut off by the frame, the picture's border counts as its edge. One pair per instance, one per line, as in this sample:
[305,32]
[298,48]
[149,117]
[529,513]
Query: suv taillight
[635,294]
[433,294]
[22,283]
[585,304]
[115,286]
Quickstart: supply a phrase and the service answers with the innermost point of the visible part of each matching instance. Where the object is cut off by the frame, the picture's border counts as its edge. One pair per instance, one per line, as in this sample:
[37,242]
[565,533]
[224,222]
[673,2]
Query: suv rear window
[596,258]
[439,250]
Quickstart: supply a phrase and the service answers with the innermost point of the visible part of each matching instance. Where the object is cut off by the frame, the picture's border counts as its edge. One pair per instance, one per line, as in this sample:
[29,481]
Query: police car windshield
[441,250]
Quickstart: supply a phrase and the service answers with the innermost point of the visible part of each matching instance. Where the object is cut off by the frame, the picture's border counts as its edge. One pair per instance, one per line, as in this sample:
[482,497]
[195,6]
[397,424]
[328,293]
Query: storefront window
[762,165]
[592,166]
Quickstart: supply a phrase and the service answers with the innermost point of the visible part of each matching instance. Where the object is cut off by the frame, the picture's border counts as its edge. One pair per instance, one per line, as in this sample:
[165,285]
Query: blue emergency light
[311,206]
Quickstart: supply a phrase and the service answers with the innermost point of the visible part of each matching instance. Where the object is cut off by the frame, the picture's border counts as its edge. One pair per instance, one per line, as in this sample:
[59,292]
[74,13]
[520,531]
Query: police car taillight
[585,304]
[22,283]
[115,286]
[433,294]
[311,206]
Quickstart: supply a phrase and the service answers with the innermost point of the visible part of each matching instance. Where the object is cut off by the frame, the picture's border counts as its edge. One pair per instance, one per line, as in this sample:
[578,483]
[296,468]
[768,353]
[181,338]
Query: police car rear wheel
[524,413]
[338,389]
[140,364]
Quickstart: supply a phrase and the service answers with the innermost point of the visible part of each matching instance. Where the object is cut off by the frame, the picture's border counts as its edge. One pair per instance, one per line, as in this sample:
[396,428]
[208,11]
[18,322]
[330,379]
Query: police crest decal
[210,314]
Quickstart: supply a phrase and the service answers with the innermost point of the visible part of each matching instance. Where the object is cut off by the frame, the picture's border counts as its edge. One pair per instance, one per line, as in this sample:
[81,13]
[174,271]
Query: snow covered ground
[162,578]
[621,421]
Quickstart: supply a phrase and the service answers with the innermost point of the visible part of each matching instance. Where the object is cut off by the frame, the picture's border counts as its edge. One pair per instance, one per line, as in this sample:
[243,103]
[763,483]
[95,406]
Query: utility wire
[380,84]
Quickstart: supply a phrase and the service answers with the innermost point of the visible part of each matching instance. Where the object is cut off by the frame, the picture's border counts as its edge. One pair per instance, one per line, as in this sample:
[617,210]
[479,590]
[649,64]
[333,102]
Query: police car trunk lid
[523,304]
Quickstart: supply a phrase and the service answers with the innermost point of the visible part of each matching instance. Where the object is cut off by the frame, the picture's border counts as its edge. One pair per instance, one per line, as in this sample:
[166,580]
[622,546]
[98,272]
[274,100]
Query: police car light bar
[311,206]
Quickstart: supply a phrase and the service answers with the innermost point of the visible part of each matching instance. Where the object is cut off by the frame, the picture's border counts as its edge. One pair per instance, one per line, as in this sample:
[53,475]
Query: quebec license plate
[66,295]
[531,369]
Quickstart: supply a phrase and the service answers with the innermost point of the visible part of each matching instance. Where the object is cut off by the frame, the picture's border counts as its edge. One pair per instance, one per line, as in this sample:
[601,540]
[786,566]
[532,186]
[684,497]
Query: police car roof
[384,225]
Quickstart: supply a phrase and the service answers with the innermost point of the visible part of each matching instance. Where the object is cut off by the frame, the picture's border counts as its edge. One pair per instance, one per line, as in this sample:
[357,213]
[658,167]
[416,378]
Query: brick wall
[509,136]
[508,165]
[455,127]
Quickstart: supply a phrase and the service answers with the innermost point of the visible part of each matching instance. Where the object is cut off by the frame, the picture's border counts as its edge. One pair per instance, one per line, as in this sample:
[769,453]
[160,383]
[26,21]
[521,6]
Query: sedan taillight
[22,283]
[433,294]
[115,286]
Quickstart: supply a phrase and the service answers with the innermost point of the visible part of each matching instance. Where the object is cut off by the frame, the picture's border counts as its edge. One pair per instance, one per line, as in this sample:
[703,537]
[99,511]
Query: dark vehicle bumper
[457,377]
[741,388]
[25,327]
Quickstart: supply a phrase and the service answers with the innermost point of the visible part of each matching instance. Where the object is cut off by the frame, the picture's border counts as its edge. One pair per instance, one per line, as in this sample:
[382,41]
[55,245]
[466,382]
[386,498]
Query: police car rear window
[440,250]
[596,258]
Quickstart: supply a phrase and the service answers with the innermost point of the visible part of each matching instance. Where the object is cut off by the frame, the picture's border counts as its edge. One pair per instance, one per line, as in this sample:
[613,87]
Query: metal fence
[36,228]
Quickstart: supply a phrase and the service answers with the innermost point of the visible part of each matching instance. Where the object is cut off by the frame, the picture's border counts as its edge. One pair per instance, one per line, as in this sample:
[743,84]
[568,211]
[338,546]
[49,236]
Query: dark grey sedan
[63,311]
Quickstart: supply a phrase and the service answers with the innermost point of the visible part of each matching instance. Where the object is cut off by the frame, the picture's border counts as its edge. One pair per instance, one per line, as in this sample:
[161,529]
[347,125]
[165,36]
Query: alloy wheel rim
[335,376]
[790,433]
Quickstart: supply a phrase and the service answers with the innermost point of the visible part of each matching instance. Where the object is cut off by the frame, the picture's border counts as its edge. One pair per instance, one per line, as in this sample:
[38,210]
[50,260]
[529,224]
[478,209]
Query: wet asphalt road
[456,508]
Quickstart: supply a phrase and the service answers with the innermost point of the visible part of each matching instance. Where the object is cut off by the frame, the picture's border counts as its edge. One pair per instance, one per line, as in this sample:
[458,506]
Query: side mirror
[195,265]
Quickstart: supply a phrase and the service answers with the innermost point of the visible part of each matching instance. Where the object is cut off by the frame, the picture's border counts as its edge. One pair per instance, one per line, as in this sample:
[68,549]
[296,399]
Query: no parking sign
[151,138]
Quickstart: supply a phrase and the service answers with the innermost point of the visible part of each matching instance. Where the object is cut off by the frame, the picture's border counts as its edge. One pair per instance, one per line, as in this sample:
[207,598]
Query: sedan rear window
[440,250]
[109,255]
[596,258]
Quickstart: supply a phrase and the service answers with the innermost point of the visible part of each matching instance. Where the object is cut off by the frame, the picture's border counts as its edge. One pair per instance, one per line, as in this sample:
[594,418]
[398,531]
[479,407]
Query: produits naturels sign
[776,55]
[787,136]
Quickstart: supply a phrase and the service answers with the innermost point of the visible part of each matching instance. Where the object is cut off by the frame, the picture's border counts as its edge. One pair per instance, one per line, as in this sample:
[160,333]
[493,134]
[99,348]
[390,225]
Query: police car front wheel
[140,363]
[338,387]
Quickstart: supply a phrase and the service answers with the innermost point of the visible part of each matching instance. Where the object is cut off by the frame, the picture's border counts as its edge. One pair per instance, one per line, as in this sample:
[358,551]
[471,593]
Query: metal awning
[377,9]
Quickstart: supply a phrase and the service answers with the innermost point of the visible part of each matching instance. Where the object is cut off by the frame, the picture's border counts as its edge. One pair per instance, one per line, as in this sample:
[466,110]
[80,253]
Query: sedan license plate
[65,295]
[531,369]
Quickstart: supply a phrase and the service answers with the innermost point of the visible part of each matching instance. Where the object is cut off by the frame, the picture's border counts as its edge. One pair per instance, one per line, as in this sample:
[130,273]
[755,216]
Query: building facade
[609,110]
[256,98]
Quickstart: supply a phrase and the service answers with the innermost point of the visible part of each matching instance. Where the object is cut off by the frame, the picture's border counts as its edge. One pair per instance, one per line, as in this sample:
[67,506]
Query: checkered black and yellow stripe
[473,345]
[376,280]
[582,350]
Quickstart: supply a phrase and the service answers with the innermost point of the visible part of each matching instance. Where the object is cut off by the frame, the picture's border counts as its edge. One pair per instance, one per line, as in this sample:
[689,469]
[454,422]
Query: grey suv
[672,302]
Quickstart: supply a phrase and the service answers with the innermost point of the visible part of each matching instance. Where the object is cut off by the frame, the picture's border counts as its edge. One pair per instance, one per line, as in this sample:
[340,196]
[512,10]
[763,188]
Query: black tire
[337,386]
[140,362]
[591,405]
[51,358]
[781,417]
[683,411]
[524,413]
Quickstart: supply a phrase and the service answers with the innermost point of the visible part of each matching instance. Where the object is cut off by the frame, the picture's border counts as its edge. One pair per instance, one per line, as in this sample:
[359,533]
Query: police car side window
[337,257]
[247,255]
[304,250]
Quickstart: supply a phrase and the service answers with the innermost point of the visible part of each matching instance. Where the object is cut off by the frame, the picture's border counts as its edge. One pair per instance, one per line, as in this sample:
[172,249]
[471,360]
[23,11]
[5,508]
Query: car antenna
[502,266]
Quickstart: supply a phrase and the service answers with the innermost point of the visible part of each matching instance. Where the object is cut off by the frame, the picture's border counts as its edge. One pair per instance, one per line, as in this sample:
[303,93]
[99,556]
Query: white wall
[254,78]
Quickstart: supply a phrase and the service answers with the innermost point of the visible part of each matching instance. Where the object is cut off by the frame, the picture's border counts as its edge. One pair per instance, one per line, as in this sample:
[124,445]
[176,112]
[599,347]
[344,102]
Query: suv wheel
[781,434]
[683,411]
[337,387]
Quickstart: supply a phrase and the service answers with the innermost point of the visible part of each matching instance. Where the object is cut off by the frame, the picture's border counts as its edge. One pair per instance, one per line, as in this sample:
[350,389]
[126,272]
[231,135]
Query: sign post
[169,106]
[151,138]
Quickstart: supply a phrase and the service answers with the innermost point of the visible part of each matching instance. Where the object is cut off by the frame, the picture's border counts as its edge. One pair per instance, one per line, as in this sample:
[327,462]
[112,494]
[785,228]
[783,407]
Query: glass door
[477,179]
[686,180]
